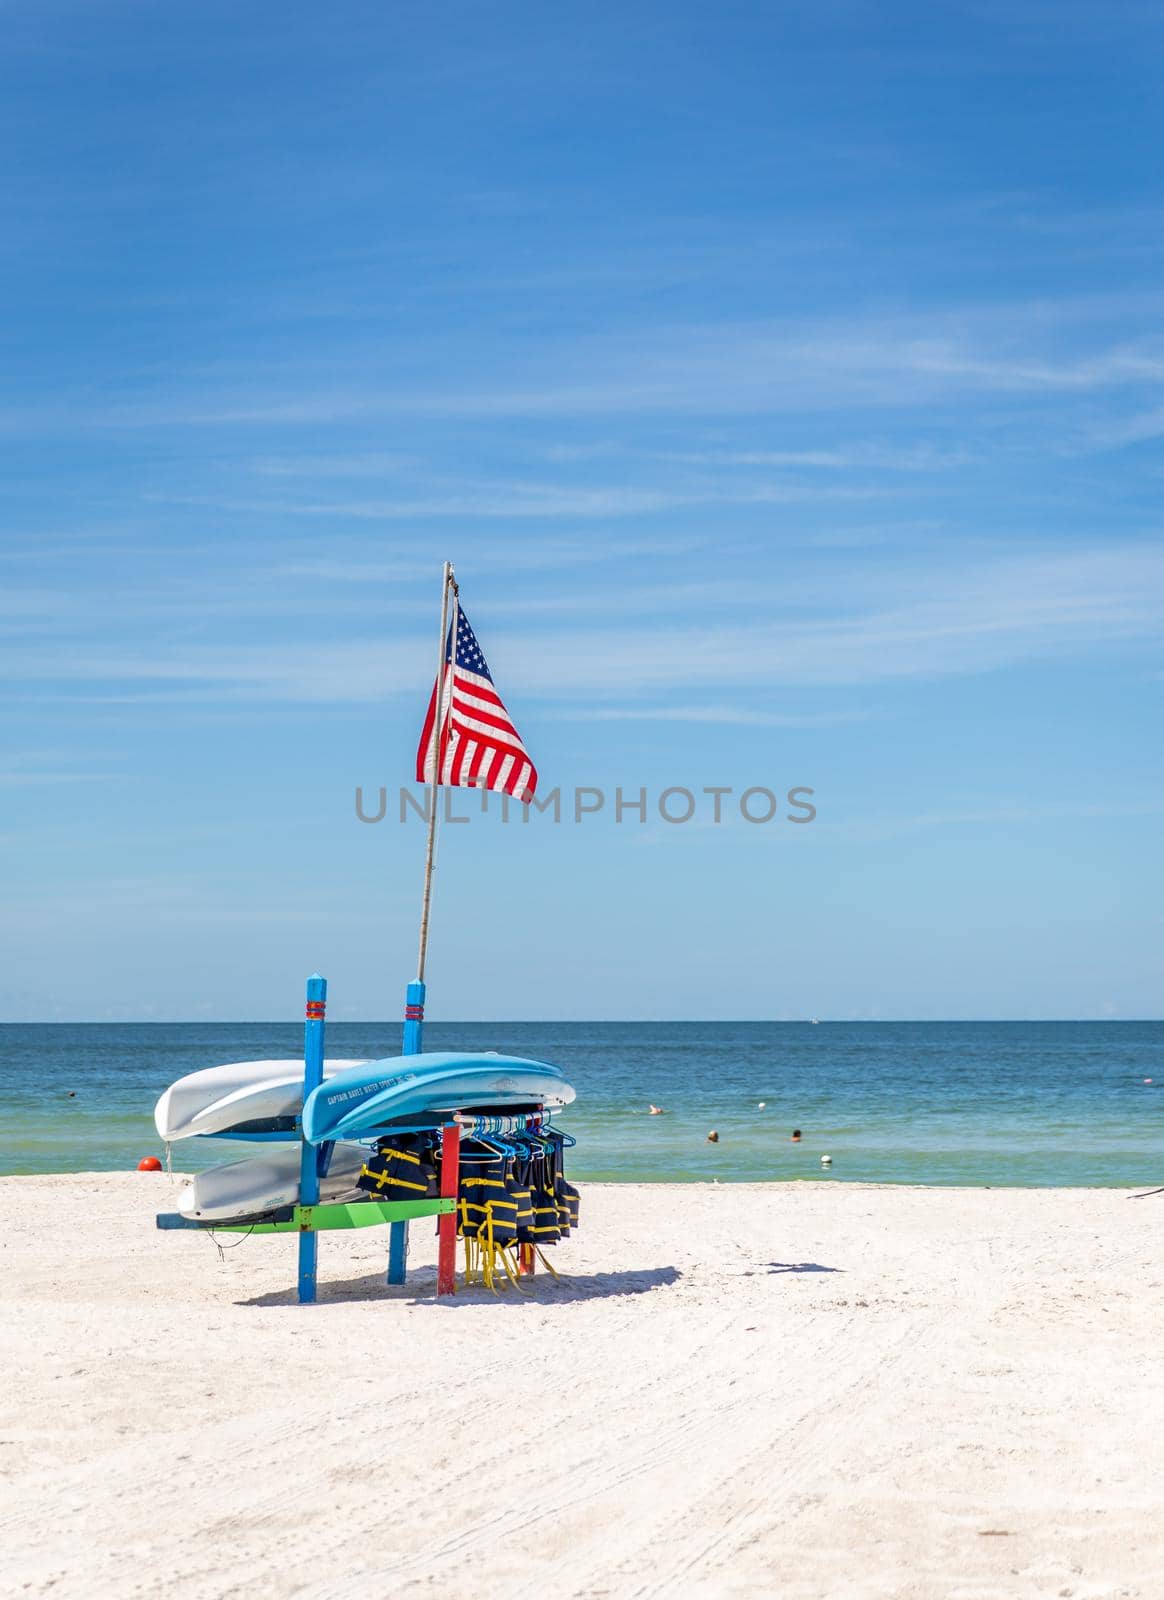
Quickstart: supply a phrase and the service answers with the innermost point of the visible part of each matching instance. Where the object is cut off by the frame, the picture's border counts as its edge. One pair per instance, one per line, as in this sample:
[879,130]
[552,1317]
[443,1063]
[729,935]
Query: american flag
[479,747]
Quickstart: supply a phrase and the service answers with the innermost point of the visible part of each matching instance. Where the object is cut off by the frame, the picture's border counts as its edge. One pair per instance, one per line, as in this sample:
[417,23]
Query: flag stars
[469,656]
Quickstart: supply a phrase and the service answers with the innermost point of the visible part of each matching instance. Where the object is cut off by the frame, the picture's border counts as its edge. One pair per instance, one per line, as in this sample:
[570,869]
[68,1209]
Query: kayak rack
[310,1218]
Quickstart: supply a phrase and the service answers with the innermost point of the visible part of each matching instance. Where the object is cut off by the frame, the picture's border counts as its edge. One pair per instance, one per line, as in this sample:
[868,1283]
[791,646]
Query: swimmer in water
[656,1111]
[713,1137]
[795,1136]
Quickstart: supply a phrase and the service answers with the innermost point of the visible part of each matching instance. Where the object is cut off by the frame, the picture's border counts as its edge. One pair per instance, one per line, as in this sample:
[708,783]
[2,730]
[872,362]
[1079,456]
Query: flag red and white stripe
[477,745]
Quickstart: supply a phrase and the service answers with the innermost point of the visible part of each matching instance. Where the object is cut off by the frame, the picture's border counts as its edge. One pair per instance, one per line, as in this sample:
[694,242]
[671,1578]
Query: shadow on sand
[542,1289]
[799,1266]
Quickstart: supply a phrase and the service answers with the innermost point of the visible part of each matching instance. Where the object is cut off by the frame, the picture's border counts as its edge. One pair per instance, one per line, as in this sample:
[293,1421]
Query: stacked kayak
[255,1187]
[357,1101]
[353,1104]
[239,1098]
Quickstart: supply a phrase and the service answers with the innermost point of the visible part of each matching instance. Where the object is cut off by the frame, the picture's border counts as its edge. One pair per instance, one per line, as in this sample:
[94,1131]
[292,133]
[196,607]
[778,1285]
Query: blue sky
[785,383]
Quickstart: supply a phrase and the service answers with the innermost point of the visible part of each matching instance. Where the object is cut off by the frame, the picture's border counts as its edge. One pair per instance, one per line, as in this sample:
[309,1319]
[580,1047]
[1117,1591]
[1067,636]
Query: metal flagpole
[414,997]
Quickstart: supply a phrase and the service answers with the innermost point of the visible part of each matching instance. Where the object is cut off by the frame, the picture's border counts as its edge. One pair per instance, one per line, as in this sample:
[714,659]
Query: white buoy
[763,1103]
[826,1161]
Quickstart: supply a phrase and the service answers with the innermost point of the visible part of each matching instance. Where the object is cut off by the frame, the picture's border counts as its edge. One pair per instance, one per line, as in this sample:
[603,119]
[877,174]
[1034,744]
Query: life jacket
[546,1227]
[400,1169]
[568,1199]
[485,1206]
[518,1182]
[487,1212]
[565,1194]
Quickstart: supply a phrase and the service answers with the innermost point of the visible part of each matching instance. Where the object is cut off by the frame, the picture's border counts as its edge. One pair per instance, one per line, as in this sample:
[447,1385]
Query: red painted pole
[525,1260]
[447,1224]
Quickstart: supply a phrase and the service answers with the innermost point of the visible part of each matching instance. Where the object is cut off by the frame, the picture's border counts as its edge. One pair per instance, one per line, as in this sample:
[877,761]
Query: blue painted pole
[413,1044]
[397,1252]
[414,1018]
[308,1156]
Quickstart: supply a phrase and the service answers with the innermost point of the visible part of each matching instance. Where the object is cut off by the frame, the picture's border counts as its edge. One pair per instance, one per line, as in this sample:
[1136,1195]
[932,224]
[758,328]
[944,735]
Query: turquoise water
[912,1102]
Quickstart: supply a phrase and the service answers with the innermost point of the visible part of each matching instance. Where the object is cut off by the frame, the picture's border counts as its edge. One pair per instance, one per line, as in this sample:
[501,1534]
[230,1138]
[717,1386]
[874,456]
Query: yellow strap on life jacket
[544,1262]
[400,1155]
[383,1178]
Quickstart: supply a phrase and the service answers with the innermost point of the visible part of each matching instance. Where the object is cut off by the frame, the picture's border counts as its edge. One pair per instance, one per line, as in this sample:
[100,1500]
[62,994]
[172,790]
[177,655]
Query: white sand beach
[802,1391]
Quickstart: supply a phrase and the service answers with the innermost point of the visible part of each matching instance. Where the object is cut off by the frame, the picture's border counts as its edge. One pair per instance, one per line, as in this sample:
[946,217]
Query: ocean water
[1006,1103]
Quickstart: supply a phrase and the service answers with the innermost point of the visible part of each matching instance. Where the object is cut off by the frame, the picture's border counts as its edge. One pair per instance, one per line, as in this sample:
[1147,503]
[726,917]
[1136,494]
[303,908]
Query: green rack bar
[318,1219]
[355,1214]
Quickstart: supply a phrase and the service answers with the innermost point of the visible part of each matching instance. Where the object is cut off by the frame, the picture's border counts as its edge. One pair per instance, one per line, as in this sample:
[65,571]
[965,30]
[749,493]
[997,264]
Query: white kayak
[218,1099]
[266,1183]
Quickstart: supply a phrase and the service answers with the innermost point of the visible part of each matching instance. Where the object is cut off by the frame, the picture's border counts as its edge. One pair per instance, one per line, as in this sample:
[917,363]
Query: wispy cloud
[545,501]
[24,769]
[1078,345]
[353,464]
[950,619]
[766,366]
[526,555]
[32,780]
[728,715]
[1032,812]
[1138,428]
[860,457]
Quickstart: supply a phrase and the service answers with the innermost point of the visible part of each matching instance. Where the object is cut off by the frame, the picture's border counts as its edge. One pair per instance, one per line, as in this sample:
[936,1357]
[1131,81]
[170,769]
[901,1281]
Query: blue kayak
[354,1102]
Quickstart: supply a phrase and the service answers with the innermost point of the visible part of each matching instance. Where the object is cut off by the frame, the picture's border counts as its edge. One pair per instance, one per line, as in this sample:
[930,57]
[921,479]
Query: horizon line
[396,1022]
